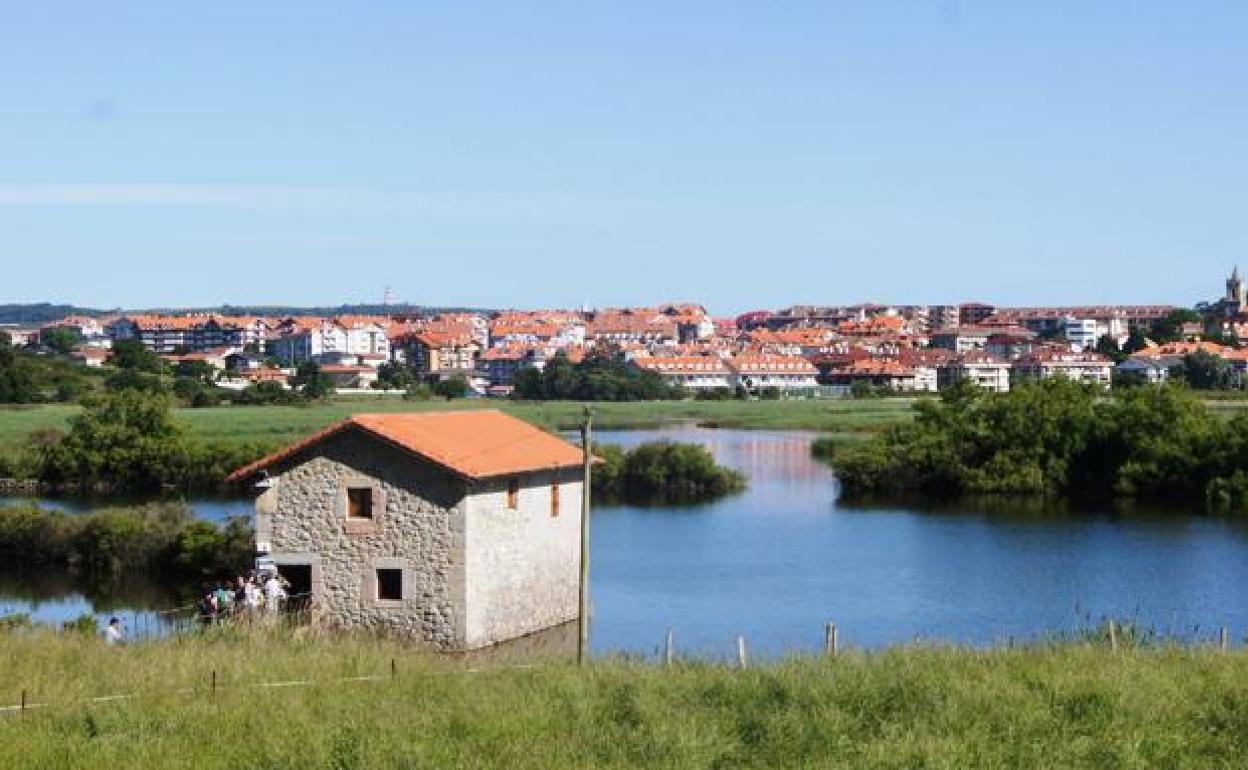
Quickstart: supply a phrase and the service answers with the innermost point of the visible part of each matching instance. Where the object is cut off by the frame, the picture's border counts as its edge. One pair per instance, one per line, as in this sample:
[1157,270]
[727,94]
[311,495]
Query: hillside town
[798,351]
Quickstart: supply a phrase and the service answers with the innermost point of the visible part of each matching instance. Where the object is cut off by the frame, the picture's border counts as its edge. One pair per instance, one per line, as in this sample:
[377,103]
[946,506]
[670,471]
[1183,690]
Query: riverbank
[282,424]
[344,706]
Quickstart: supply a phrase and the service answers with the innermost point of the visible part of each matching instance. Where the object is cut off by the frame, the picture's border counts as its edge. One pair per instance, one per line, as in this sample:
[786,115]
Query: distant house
[1147,370]
[238,363]
[788,374]
[501,364]
[458,528]
[692,372]
[962,339]
[90,356]
[982,369]
[350,375]
[885,373]
[441,355]
[1088,368]
[321,339]
[20,336]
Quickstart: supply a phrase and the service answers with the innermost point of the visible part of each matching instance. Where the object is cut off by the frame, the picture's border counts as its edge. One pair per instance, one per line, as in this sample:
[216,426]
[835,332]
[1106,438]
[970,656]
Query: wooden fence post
[1113,636]
[1225,639]
[830,639]
[23,702]
[214,681]
[742,654]
[394,669]
[669,648]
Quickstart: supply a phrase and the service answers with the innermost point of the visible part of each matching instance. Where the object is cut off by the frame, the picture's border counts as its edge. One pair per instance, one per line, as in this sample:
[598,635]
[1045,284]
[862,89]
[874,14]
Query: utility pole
[582,618]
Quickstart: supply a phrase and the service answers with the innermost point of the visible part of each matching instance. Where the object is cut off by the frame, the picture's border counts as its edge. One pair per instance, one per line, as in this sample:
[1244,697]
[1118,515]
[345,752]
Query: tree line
[126,441]
[603,375]
[1057,438]
[106,544]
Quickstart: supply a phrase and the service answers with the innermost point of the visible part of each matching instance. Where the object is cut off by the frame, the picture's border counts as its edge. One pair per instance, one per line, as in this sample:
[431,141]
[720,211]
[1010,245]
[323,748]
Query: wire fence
[212,684]
[1115,637]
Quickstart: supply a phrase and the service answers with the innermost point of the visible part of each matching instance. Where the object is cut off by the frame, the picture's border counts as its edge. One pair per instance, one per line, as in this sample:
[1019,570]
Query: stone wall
[523,565]
[418,526]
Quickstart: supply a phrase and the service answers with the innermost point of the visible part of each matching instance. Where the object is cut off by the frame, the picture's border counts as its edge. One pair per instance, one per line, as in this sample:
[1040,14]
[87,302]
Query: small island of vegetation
[1056,439]
[662,472]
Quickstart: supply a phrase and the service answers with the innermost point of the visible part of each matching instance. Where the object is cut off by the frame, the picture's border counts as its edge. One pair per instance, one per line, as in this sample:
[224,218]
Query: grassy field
[844,420]
[1052,707]
[278,424]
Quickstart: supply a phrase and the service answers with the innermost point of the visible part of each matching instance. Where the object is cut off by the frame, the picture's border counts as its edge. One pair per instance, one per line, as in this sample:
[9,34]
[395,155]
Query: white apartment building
[329,339]
[1088,368]
[693,372]
[982,369]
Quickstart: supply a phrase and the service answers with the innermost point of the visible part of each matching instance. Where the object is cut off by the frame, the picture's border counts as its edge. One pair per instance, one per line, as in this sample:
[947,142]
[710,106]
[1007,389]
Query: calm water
[780,560]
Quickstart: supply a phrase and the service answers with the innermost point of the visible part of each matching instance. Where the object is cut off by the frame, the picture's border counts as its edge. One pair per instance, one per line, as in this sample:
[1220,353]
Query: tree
[136,379]
[1170,328]
[1108,346]
[393,375]
[267,392]
[1205,371]
[6,339]
[451,387]
[127,439]
[133,354]
[17,381]
[603,375]
[1136,341]
[311,381]
[60,339]
[195,370]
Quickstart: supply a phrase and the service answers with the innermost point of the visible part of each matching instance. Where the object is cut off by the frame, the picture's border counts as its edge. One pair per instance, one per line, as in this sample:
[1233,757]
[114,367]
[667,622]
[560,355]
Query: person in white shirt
[274,593]
[251,596]
[112,633]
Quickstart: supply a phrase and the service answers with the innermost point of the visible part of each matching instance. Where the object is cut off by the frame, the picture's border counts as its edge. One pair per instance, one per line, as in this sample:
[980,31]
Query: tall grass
[1055,706]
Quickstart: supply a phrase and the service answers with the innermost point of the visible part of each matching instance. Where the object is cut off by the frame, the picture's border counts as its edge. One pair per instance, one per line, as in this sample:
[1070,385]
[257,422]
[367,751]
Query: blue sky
[538,154]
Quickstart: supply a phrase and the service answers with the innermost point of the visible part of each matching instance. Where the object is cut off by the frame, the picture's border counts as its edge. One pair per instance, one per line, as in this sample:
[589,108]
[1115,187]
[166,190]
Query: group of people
[247,596]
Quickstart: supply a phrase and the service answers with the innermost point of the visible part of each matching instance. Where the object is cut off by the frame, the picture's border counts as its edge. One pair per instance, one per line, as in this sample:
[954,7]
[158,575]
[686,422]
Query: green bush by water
[1057,439]
[158,537]
[661,472]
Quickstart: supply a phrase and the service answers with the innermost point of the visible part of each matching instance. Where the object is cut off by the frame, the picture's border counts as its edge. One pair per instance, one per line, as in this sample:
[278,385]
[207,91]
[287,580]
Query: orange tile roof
[472,444]
[687,364]
[1183,349]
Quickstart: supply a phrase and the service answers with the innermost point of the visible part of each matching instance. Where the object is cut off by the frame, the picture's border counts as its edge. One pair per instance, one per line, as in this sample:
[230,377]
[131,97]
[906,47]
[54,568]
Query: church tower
[1235,289]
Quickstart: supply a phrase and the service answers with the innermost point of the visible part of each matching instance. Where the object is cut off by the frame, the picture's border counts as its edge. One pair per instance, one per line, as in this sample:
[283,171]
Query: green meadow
[279,424]
[284,702]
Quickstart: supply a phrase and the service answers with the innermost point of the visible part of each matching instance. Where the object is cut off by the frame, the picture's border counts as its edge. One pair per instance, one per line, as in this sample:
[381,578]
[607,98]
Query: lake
[782,559]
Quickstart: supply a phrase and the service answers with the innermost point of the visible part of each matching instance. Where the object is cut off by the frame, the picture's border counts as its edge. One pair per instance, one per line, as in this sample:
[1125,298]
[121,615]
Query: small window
[513,494]
[554,499]
[359,503]
[390,585]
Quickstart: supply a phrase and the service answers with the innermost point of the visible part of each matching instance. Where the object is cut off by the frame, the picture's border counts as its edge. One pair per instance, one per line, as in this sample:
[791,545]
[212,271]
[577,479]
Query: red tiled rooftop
[472,444]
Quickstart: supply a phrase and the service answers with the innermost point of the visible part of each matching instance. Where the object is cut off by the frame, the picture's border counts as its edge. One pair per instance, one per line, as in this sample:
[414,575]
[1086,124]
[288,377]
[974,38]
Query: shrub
[111,542]
[663,472]
[1057,438]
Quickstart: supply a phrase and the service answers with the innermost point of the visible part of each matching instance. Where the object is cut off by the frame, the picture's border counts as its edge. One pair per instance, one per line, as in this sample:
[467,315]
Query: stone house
[458,528]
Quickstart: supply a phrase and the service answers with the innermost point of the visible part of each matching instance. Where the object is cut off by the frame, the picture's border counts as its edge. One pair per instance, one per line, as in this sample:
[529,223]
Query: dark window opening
[360,503]
[299,592]
[513,494]
[390,585]
[299,576]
